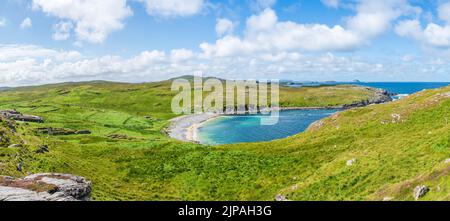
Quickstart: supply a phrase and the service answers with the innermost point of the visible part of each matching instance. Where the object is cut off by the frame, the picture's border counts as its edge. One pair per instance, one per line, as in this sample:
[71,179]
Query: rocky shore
[380,96]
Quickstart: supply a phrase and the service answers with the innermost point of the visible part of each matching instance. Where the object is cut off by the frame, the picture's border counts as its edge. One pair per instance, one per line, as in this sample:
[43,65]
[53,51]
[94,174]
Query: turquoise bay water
[247,128]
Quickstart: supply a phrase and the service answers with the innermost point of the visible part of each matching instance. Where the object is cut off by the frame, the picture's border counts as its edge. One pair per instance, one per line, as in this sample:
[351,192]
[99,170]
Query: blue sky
[45,41]
[144,32]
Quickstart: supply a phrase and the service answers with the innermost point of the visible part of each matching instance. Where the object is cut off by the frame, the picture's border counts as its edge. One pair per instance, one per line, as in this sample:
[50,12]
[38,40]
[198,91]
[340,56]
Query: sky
[50,41]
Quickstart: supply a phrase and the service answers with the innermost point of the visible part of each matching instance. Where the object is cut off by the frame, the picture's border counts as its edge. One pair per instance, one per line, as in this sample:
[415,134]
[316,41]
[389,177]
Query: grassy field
[144,164]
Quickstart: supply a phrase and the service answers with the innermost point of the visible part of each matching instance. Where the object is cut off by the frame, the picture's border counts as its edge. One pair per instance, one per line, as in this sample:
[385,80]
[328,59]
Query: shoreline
[185,128]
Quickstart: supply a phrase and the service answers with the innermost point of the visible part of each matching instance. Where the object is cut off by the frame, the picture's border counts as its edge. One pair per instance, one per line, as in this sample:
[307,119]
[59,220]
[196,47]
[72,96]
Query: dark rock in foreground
[45,187]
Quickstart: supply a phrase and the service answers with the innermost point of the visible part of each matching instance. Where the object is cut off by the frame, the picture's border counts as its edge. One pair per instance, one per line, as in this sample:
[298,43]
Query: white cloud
[331,3]
[26,23]
[409,28]
[2,22]
[179,55]
[267,48]
[29,64]
[444,12]
[265,33]
[437,36]
[62,31]
[16,52]
[264,21]
[259,5]
[224,27]
[432,35]
[94,19]
[174,8]
[375,17]
[148,57]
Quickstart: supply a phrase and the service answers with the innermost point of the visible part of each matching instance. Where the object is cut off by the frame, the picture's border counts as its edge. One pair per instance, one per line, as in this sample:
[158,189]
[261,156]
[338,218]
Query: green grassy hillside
[129,158]
[397,146]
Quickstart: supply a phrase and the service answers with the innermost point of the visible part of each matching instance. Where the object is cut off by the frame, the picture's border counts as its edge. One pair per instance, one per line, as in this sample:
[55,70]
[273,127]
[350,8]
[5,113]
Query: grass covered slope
[128,157]
[397,146]
[322,96]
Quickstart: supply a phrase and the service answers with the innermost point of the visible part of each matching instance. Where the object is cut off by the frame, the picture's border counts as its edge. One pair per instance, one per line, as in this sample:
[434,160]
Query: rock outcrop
[15,146]
[61,131]
[280,198]
[420,191]
[45,187]
[351,162]
[15,115]
[119,137]
[380,96]
[42,149]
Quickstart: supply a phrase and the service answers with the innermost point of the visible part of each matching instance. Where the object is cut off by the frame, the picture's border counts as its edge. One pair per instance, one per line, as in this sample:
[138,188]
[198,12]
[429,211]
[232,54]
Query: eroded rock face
[45,187]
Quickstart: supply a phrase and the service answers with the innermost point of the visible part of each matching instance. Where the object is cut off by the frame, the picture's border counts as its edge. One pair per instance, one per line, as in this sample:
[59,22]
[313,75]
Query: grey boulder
[45,187]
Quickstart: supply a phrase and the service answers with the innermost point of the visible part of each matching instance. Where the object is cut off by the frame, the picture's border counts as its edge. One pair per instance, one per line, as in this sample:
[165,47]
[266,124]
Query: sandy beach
[185,128]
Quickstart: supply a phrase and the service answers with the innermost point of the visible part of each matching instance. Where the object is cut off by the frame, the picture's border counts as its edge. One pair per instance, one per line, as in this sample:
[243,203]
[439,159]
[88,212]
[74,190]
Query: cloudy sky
[47,41]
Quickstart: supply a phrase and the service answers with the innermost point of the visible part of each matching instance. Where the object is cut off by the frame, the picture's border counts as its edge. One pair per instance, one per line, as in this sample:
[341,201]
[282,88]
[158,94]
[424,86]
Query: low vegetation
[128,157]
